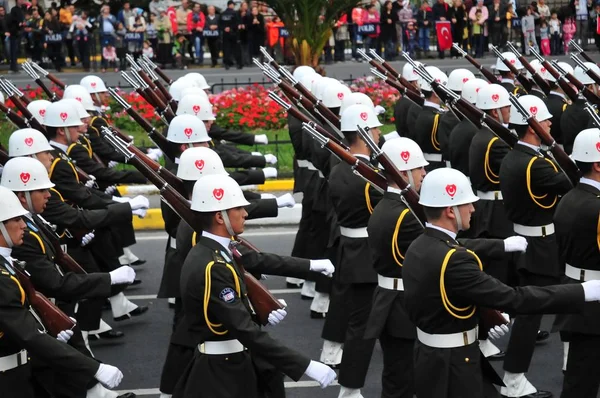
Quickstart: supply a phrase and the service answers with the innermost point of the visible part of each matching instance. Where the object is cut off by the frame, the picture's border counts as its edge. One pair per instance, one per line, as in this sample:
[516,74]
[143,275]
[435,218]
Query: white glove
[110,190]
[87,238]
[124,274]
[261,139]
[591,290]
[286,200]
[112,164]
[391,136]
[155,154]
[270,172]
[256,153]
[64,336]
[109,376]
[498,331]
[275,317]
[515,244]
[379,110]
[323,266]
[267,196]
[139,202]
[90,183]
[271,159]
[141,213]
[320,373]
[121,199]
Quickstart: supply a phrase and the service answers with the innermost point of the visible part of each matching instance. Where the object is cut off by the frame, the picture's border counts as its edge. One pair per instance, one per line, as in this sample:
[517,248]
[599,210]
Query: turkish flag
[598,25]
[444,35]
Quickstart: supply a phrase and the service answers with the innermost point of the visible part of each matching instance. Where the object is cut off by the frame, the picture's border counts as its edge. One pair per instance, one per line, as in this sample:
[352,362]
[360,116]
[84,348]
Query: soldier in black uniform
[530,185]
[576,219]
[557,103]
[217,310]
[405,107]
[461,135]
[428,121]
[444,286]
[507,78]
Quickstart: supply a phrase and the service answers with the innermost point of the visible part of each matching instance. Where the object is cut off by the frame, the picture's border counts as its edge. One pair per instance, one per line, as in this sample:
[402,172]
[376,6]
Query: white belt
[172,242]
[580,274]
[221,347]
[390,283]
[448,164]
[526,230]
[13,361]
[304,163]
[433,157]
[354,232]
[490,195]
[453,340]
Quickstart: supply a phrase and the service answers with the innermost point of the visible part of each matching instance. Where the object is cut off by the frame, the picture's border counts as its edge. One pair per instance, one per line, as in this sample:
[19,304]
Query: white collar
[431,104]
[505,80]
[444,230]
[394,190]
[176,160]
[223,241]
[591,182]
[6,252]
[62,147]
[360,155]
[559,94]
[535,148]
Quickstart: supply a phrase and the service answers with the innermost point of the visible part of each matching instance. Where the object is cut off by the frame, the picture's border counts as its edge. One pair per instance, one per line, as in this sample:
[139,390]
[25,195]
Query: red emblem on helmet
[93,84]
[598,146]
[512,61]
[196,109]
[405,155]
[25,177]
[29,141]
[218,193]
[199,164]
[543,70]
[495,97]
[78,99]
[533,110]
[188,132]
[364,116]
[451,190]
[340,96]
[64,116]
[465,79]
[42,112]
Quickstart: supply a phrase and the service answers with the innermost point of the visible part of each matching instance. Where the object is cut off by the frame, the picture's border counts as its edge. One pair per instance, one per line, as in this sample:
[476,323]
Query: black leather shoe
[137,312]
[292,285]
[139,261]
[127,395]
[110,334]
[497,357]
[538,394]
[303,297]
[136,282]
[542,336]
[317,315]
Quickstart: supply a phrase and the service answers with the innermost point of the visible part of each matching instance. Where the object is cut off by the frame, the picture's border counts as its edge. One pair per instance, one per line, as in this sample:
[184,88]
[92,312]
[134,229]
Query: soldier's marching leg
[334,328]
[397,379]
[582,378]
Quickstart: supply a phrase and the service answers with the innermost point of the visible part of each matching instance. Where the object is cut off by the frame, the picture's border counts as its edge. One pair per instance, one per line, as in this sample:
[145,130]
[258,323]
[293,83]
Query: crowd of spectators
[179,32]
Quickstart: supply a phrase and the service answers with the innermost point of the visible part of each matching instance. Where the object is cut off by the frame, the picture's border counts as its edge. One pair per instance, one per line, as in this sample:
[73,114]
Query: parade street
[141,353]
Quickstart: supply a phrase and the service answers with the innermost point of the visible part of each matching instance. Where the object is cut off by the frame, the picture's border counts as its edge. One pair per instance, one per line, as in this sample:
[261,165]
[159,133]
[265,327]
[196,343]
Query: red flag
[444,35]
[598,25]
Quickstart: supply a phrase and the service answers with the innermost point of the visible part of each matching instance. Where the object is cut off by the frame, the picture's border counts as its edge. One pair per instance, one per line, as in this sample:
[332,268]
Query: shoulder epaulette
[31,226]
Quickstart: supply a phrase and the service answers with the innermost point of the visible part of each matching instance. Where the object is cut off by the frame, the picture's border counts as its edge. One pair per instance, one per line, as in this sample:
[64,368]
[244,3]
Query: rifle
[583,90]
[156,69]
[564,161]
[591,109]
[15,118]
[48,314]
[16,99]
[558,73]
[155,79]
[49,76]
[359,167]
[137,69]
[145,81]
[33,74]
[488,74]
[590,72]
[261,299]
[537,78]
[170,149]
[155,100]
[525,82]
[144,94]
[578,48]
[399,76]
[17,92]
[60,256]
[410,94]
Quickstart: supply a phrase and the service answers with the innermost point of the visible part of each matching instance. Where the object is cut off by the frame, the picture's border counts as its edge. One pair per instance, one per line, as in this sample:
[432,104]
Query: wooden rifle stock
[478,117]
[3,156]
[22,107]
[595,77]
[164,173]
[51,94]
[61,258]
[19,121]
[56,80]
[404,90]
[303,118]
[587,57]
[583,90]
[539,80]
[53,319]
[488,318]
[162,75]
[488,74]
[309,101]
[563,84]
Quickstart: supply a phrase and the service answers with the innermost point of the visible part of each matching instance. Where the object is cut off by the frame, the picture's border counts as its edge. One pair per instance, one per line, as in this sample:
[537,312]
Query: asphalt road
[141,353]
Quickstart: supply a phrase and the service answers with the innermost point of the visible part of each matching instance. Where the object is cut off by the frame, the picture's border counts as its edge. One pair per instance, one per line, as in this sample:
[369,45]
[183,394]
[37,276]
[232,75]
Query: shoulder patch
[227,295]
[32,226]
[218,258]
[225,256]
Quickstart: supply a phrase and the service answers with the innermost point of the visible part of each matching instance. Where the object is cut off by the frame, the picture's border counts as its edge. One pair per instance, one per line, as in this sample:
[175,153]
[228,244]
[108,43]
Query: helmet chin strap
[500,117]
[227,223]
[29,202]
[6,236]
[411,180]
[458,218]
[67,135]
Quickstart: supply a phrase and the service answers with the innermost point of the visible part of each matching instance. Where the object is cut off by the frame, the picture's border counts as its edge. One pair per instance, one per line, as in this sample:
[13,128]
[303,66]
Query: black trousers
[83,47]
[397,379]
[14,51]
[334,328]
[213,47]
[17,383]
[582,379]
[525,328]
[231,50]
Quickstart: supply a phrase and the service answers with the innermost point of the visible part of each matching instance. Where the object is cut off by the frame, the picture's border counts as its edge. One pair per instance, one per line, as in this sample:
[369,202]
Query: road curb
[287,216]
[268,186]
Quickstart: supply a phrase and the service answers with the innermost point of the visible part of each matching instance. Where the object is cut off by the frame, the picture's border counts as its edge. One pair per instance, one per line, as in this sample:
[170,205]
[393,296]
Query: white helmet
[93,84]
[308,79]
[458,77]
[409,73]
[314,82]
[534,106]
[566,67]
[217,192]
[471,89]
[200,80]
[359,115]
[176,88]
[582,76]
[1,98]
[334,94]
[81,112]
[535,65]
[586,147]
[322,86]
[512,58]
[356,99]
[543,72]
[187,129]
[79,93]
[25,174]
[196,105]
[38,109]
[437,75]
[199,162]
[194,91]
[446,187]
[302,71]
[26,142]
[10,207]
[492,96]
[62,114]
[404,153]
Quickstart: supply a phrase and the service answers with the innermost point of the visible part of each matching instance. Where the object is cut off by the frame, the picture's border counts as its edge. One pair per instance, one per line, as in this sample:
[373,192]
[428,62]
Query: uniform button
[466,359]
[227,358]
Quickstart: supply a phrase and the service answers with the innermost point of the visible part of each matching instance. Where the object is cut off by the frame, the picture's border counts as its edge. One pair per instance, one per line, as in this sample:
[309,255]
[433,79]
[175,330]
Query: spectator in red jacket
[371,19]
[195,25]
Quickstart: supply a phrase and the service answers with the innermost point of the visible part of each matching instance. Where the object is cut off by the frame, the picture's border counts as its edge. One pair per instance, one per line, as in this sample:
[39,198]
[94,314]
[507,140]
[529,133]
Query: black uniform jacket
[447,123]
[486,154]
[557,103]
[538,93]
[99,145]
[237,137]
[353,201]
[459,143]
[403,107]
[411,119]
[296,133]
[426,129]
[511,88]
[574,119]
[216,307]
[233,157]
[576,220]
[19,330]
